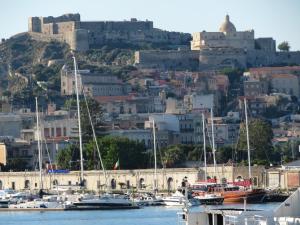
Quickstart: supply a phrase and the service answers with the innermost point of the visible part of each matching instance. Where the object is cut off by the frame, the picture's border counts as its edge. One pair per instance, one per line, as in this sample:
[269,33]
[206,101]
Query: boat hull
[211,201]
[252,196]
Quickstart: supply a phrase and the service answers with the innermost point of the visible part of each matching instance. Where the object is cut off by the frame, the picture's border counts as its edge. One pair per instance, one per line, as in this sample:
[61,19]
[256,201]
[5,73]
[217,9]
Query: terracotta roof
[267,69]
[283,76]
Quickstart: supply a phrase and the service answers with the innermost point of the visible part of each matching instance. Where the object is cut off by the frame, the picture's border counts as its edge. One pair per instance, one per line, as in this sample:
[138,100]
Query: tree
[234,75]
[173,155]
[16,164]
[260,137]
[68,158]
[284,46]
[95,113]
[131,154]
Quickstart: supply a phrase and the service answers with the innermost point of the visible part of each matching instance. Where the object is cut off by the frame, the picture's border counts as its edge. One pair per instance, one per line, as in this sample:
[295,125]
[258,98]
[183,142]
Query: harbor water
[144,216]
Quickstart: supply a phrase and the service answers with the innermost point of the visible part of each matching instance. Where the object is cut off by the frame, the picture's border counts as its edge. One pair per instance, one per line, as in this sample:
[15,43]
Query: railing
[181,218]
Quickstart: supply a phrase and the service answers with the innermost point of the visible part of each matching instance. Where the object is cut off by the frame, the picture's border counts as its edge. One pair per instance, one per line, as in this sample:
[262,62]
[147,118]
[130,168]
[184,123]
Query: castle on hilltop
[82,35]
[213,50]
[208,50]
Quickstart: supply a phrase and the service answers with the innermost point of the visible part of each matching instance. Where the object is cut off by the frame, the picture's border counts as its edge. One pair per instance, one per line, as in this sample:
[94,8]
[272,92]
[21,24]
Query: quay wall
[167,179]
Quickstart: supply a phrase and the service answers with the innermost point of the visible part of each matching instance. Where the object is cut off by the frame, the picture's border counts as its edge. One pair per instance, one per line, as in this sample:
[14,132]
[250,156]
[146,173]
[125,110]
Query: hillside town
[133,75]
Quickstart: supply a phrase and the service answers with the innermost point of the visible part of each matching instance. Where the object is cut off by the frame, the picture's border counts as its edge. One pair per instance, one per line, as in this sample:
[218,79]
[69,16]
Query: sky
[279,19]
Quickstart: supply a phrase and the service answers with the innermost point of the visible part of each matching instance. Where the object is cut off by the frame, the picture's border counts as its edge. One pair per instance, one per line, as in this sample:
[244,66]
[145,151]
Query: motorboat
[148,199]
[179,199]
[106,201]
[4,203]
[210,199]
[49,202]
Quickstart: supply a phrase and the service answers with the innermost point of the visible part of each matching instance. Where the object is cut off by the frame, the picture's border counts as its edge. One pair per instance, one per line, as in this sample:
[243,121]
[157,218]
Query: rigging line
[46,146]
[94,137]
[248,110]
[50,161]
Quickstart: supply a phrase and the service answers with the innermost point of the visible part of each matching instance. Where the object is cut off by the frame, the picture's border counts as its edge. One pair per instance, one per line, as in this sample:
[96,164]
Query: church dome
[227,26]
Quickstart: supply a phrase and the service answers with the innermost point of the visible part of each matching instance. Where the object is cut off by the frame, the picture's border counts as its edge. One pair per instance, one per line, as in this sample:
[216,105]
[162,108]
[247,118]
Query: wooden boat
[232,195]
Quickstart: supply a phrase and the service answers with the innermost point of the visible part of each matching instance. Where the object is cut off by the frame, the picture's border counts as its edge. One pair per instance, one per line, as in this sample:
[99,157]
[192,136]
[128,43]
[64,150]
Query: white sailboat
[52,202]
[106,201]
[147,199]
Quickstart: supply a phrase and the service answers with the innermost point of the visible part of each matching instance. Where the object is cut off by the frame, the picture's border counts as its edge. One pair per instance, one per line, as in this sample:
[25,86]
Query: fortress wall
[259,58]
[64,27]
[99,26]
[46,38]
[63,18]
[267,58]
[267,44]
[287,57]
[222,58]
[34,24]
[47,28]
[167,59]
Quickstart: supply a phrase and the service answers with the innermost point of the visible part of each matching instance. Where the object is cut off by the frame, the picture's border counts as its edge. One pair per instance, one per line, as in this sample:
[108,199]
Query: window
[128,184]
[27,184]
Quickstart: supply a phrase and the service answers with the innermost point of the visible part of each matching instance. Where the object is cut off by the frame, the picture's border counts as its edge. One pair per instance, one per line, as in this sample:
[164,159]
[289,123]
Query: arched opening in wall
[142,183]
[27,184]
[128,184]
[55,182]
[1,185]
[113,184]
[84,183]
[170,184]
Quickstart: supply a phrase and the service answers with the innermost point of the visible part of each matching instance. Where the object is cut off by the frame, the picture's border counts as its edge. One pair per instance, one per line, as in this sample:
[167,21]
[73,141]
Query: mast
[79,122]
[213,140]
[204,145]
[39,143]
[155,160]
[248,142]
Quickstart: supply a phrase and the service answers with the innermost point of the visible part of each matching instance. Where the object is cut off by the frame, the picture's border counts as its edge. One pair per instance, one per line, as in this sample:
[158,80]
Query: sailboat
[151,199]
[200,189]
[237,194]
[53,201]
[106,201]
[250,194]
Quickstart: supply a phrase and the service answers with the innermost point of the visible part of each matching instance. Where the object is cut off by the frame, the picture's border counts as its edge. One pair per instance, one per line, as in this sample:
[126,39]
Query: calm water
[143,216]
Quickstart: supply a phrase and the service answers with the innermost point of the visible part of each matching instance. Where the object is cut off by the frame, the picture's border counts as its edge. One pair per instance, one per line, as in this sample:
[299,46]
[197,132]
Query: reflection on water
[143,216]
